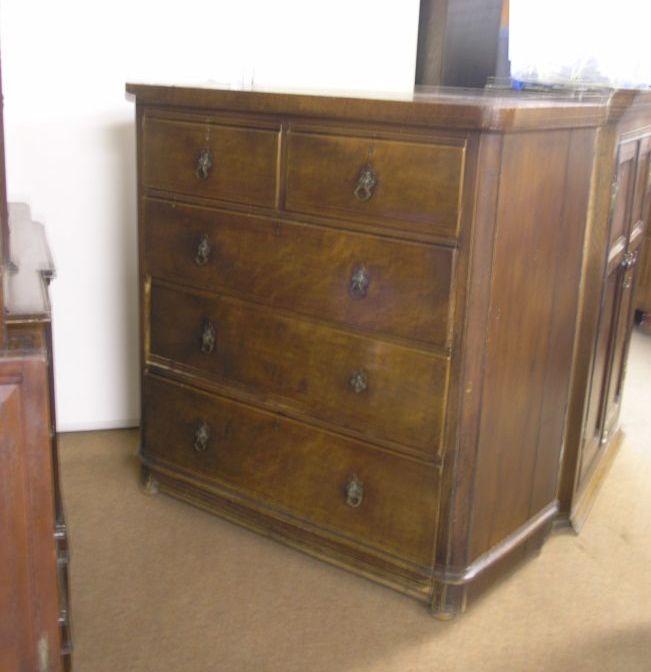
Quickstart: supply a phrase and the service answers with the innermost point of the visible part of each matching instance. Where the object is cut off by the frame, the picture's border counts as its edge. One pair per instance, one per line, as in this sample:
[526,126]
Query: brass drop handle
[354,492]
[359,282]
[366,183]
[204,164]
[203,251]
[201,437]
[358,382]
[208,337]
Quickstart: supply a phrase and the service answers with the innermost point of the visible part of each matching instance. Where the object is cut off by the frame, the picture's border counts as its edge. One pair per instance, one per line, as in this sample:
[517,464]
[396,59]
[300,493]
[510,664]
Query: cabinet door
[616,304]
[643,282]
[635,230]
[29,618]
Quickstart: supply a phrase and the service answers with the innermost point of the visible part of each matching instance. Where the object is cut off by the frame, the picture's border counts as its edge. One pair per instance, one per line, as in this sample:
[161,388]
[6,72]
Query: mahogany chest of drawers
[358,319]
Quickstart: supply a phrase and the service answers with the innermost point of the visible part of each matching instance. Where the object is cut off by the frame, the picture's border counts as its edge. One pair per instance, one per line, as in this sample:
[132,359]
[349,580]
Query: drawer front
[406,185]
[230,163]
[382,390]
[364,281]
[338,484]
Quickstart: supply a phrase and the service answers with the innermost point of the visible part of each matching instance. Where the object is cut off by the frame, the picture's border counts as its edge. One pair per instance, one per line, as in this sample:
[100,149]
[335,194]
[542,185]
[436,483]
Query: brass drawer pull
[358,382]
[366,183]
[201,437]
[204,164]
[203,252]
[208,337]
[354,492]
[359,283]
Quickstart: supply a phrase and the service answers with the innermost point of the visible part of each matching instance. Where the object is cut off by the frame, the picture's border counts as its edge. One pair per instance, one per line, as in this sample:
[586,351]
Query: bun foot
[148,483]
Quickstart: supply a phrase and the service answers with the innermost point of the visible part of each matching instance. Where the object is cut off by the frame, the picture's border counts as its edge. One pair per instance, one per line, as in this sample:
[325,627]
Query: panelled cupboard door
[29,600]
[629,197]
[627,269]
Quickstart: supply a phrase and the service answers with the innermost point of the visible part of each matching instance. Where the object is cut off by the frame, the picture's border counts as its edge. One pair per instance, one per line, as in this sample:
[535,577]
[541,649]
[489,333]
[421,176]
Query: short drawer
[339,485]
[378,389]
[368,282]
[406,185]
[229,163]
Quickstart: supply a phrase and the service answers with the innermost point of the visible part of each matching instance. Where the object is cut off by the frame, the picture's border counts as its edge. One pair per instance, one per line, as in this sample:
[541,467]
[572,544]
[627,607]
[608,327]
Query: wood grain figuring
[17,645]
[417,183]
[298,470]
[569,237]
[244,160]
[529,215]
[403,399]
[306,269]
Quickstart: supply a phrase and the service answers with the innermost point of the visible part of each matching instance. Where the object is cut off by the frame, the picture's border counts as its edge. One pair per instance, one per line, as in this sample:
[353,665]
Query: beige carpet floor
[160,586]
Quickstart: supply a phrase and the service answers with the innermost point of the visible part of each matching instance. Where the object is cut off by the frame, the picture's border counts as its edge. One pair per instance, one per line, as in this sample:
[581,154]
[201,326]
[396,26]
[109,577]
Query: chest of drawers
[358,319]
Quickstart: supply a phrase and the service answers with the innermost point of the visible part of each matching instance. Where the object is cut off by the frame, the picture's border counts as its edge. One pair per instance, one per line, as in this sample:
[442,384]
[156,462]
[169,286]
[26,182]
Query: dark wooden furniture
[358,319]
[39,544]
[34,621]
[619,214]
[643,294]
[462,42]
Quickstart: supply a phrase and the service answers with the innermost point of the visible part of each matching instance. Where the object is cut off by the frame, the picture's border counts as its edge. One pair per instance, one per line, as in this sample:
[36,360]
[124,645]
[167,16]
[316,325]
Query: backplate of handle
[366,183]
[204,164]
[359,282]
[354,492]
[208,336]
[203,251]
[358,381]
[201,437]
[629,260]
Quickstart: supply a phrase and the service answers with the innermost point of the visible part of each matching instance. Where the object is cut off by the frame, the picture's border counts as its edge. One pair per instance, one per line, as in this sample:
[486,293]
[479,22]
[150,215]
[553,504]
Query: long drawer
[337,484]
[230,163]
[369,282]
[382,390]
[396,183]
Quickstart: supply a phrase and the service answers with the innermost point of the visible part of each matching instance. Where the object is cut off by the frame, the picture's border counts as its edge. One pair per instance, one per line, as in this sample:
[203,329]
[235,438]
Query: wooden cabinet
[363,347]
[642,300]
[35,629]
[617,228]
[30,637]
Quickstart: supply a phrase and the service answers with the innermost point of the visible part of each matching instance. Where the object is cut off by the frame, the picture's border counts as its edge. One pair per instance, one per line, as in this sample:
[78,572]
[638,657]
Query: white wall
[595,39]
[71,150]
